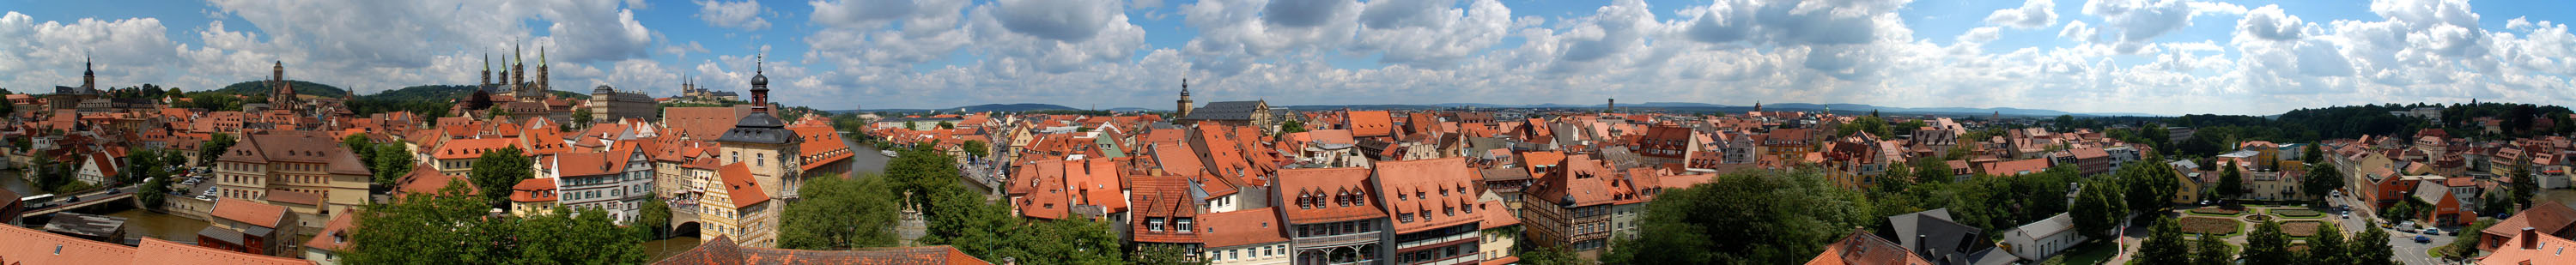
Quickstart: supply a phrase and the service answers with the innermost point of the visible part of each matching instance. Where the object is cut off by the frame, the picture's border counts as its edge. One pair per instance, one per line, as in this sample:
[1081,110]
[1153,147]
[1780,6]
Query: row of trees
[2268,244]
[859,212]
[453,226]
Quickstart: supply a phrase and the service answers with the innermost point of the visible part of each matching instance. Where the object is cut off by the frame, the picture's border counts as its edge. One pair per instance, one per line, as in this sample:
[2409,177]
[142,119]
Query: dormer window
[1154,224]
[1183,225]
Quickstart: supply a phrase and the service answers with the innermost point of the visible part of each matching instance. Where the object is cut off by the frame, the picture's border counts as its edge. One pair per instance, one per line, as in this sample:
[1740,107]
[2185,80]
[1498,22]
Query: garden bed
[2211,226]
[2217,211]
[2301,229]
[2297,213]
[2258,218]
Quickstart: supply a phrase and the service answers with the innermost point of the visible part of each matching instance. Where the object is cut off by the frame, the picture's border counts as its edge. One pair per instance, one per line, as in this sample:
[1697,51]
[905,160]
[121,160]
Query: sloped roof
[1371,123]
[739,185]
[2546,216]
[249,212]
[1328,183]
[1434,190]
[1242,227]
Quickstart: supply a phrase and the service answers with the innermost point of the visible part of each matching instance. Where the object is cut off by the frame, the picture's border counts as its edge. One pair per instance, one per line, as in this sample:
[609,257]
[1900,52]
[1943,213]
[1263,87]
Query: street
[2401,242]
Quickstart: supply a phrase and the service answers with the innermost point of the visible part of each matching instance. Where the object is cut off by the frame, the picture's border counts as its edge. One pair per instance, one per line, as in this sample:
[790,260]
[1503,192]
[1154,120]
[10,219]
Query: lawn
[2210,226]
[2091,252]
[2301,229]
[2297,213]
[2217,211]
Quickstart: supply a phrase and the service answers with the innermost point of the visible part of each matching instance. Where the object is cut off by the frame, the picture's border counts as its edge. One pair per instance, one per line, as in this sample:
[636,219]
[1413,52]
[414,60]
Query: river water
[10,179]
[661,249]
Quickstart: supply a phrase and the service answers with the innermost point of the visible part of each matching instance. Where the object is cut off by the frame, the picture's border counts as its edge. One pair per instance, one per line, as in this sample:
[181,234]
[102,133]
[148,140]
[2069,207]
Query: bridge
[93,198]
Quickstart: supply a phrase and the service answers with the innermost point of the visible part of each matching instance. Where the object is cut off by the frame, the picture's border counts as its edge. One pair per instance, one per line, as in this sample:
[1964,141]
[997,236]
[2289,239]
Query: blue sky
[2139,56]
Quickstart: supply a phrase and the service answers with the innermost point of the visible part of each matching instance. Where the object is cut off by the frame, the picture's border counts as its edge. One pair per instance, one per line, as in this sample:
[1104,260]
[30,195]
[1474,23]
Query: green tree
[391,164]
[2328,247]
[1292,126]
[946,125]
[1869,124]
[1548,256]
[438,229]
[496,171]
[2467,245]
[214,148]
[359,146]
[2151,187]
[2268,245]
[2213,250]
[2097,209]
[153,192]
[2166,246]
[2230,182]
[840,213]
[568,237]
[2522,185]
[2368,248]
[581,118]
[977,148]
[1758,217]
[2321,179]
[1930,171]
[451,226]
[656,216]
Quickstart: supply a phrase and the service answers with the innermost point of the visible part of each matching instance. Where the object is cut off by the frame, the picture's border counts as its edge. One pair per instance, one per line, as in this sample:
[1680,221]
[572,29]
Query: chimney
[2530,238]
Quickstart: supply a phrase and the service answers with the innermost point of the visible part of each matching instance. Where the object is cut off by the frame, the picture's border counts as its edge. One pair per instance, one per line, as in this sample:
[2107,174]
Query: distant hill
[440,93]
[1704,107]
[1022,107]
[301,88]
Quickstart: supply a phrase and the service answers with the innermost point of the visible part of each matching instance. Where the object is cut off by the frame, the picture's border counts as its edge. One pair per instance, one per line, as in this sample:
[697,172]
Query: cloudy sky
[2141,56]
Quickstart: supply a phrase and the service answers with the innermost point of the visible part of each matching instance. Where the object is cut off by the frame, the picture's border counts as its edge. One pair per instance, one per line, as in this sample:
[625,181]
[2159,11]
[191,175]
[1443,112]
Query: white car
[888,153]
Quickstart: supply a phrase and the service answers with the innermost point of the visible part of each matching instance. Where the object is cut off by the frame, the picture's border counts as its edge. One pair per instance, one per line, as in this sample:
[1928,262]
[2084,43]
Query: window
[1184,224]
[1154,224]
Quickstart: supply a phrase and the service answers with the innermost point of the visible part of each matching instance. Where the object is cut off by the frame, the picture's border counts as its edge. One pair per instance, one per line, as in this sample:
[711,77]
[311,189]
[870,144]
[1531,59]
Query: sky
[2096,56]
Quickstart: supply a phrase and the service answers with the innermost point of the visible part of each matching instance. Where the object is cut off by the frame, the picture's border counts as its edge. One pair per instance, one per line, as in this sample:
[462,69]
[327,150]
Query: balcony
[1337,240]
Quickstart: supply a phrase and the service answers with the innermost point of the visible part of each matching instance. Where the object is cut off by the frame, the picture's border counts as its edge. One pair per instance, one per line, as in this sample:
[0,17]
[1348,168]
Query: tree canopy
[1761,217]
[496,171]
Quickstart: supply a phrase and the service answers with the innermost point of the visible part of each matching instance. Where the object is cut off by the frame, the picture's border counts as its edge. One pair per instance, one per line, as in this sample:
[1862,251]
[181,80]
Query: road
[2401,242]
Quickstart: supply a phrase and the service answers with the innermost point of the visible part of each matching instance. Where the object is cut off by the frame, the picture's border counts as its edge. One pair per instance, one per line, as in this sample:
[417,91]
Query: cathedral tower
[1185,99]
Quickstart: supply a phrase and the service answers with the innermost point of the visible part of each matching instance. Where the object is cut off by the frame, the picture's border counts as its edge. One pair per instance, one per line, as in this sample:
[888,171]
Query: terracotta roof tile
[1327,195]
[249,212]
[738,183]
[1431,191]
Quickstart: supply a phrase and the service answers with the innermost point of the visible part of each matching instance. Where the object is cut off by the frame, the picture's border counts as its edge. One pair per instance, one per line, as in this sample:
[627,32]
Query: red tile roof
[470,148]
[287,196]
[1163,197]
[1321,195]
[738,184]
[533,190]
[335,234]
[1432,191]
[1371,123]
[1862,248]
[249,212]
[1242,227]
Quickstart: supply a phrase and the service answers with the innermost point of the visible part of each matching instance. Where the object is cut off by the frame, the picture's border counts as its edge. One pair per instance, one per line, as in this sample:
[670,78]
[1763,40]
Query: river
[661,249]
[140,223]
[10,179]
